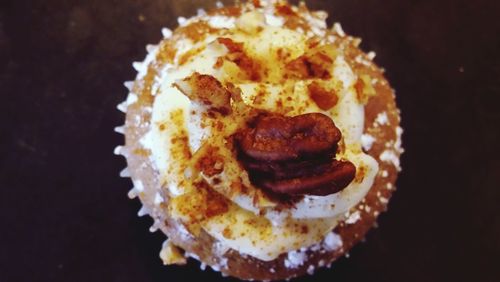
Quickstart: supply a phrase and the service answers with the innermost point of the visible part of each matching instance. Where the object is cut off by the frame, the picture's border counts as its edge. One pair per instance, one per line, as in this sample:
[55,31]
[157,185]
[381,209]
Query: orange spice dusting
[188,55]
[141,152]
[146,97]
[162,127]
[324,99]
[314,65]
[239,188]
[201,205]
[359,89]
[279,103]
[216,204]
[298,68]
[230,11]
[167,51]
[230,44]
[197,31]
[238,56]
[227,233]
[259,98]
[219,125]
[364,88]
[250,221]
[282,54]
[297,22]
[180,141]
[256,4]
[211,163]
[284,9]
[313,42]
[360,174]
[304,229]
[251,67]
[190,206]
[219,63]
[288,109]
[320,64]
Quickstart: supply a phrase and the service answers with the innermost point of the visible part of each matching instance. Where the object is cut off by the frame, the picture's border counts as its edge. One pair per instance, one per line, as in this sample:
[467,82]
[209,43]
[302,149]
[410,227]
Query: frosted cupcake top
[230,73]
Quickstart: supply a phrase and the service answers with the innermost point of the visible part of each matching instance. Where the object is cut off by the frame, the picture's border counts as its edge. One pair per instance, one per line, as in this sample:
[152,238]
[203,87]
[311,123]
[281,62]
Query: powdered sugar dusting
[382,118]
[155,226]
[131,99]
[122,107]
[371,55]
[151,48]
[338,29]
[132,193]
[295,259]
[158,199]
[118,150]
[125,173]
[182,21]
[360,60]
[353,218]
[138,66]
[397,145]
[143,211]
[138,185]
[332,241]
[390,156]
[120,129]
[367,141]
[128,85]
[200,12]
[166,32]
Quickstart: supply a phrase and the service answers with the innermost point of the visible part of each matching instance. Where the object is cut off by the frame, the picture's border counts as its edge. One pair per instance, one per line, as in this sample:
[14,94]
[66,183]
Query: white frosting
[222,22]
[264,237]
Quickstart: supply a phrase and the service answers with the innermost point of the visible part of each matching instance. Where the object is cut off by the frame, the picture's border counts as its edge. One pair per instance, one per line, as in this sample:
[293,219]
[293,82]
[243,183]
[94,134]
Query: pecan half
[279,138]
[335,178]
[289,169]
[294,155]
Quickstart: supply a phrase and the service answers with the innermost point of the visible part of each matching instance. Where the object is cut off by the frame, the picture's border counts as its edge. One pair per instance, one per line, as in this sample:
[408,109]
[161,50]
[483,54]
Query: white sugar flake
[382,119]
[353,218]
[295,259]
[389,156]
[332,241]
[367,141]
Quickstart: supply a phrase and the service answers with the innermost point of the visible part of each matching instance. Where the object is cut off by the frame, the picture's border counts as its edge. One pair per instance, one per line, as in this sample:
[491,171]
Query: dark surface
[64,213]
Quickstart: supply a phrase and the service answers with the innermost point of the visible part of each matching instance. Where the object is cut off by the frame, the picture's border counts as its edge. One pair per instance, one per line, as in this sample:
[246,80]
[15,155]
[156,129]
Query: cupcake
[262,143]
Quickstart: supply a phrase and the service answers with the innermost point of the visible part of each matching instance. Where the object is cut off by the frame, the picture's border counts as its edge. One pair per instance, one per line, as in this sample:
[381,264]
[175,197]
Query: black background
[64,214]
